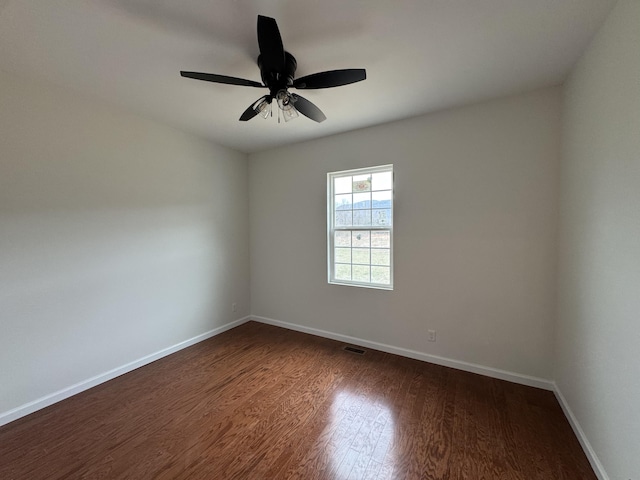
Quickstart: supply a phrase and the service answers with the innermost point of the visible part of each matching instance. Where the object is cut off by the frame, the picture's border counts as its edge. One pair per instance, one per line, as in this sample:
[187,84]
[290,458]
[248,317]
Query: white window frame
[331,227]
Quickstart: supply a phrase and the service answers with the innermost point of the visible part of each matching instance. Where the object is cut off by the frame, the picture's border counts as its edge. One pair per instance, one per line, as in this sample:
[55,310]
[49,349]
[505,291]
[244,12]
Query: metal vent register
[353,349]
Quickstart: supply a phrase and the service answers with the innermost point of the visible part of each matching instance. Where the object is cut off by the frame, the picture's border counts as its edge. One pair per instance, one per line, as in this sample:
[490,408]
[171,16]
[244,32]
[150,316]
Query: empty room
[331,240]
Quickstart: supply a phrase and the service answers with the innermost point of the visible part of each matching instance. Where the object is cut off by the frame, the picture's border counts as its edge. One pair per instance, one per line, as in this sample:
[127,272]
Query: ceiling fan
[277,69]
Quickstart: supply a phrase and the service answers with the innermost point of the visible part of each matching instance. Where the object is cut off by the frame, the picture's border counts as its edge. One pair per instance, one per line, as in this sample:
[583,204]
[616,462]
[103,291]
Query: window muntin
[360,227]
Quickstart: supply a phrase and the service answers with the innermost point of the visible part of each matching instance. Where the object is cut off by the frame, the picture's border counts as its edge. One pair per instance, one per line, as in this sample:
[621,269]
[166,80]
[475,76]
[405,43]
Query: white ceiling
[420,55]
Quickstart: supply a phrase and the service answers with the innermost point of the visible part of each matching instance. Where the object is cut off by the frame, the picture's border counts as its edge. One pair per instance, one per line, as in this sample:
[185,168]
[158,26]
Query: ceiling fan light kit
[277,70]
[263,107]
[285,102]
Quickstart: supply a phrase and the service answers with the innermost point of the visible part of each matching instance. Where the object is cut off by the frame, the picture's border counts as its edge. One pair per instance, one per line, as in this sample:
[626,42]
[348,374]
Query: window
[360,227]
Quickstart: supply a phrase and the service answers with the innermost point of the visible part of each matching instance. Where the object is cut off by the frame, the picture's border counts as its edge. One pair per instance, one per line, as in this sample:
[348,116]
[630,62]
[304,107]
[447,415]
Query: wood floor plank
[175,437]
[272,435]
[260,402]
[292,450]
[332,428]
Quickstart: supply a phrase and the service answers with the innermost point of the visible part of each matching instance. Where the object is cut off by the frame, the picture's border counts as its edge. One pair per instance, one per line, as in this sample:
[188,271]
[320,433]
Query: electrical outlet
[431,335]
[234,307]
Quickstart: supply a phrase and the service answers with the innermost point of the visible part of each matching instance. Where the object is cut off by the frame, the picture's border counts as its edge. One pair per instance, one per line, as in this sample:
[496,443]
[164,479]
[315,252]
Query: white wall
[598,341]
[118,237]
[475,233]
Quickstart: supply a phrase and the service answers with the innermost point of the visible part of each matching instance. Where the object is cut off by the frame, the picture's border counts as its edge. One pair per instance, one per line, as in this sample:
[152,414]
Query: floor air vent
[351,349]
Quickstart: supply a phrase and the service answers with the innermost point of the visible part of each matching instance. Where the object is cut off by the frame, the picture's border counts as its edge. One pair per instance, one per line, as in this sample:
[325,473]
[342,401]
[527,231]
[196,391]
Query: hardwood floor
[260,402]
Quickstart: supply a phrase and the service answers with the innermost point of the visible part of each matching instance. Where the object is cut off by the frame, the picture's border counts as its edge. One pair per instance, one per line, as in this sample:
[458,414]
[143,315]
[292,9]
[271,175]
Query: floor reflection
[362,434]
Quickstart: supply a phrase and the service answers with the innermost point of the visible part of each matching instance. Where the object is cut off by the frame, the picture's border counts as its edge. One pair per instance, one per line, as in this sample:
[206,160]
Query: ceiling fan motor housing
[276,80]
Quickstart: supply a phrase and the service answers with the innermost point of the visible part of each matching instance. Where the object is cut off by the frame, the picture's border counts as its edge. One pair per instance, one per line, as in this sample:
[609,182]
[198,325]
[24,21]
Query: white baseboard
[582,438]
[425,357]
[28,408]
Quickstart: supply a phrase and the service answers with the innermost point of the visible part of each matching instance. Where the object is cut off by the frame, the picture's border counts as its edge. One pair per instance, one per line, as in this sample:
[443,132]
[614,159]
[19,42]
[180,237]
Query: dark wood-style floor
[260,402]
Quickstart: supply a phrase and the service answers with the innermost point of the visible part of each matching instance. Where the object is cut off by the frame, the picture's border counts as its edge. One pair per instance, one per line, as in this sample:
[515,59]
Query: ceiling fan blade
[333,78]
[307,108]
[270,44]
[212,77]
[251,112]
